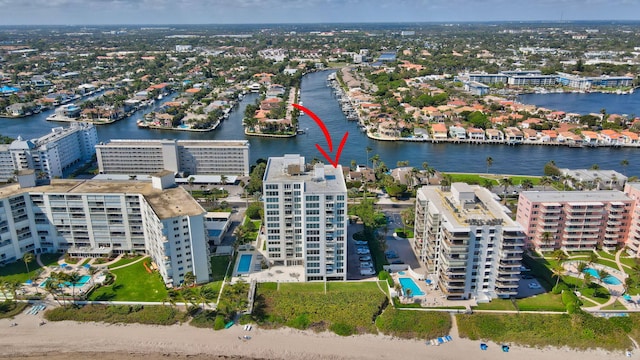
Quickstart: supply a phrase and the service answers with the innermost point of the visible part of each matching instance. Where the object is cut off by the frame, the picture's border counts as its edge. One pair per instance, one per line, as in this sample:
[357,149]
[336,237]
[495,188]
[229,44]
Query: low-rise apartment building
[193,157]
[575,220]
[103,218]
[468,242]
[305,211]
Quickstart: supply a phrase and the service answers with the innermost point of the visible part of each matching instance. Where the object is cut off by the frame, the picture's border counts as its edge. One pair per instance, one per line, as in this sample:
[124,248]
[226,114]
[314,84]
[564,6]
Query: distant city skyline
[106,12]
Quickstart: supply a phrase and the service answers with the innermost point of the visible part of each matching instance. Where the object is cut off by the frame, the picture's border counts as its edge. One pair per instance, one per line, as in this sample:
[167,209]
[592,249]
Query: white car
[534,285]
[365,264]
[368,271]
[363,252]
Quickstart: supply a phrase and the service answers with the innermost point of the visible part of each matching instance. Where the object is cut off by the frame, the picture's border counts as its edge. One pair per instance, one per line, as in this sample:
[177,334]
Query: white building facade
[306,217]
[50,154]
[470,246]
[104,218]
[193,157]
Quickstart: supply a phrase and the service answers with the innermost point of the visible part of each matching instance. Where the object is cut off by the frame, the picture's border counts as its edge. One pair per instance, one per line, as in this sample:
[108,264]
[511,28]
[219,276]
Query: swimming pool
[214,232]
[610,280]
[409,284]
[83,280]
[245,263]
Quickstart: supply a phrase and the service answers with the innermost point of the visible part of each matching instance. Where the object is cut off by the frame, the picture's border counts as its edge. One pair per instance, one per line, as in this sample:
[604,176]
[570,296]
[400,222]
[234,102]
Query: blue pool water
[610,280]
[408,283]
[214,232]
[83,280]
[245,263]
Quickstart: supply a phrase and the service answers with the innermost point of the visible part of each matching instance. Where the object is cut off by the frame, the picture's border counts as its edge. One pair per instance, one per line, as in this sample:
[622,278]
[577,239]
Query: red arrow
[326,135]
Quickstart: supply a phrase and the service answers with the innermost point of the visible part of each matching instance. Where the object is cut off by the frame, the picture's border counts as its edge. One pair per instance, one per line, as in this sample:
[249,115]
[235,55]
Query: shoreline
[62,340]
[268,135]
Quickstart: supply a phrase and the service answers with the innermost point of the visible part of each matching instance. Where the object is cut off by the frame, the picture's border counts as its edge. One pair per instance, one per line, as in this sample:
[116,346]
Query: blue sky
[72,12]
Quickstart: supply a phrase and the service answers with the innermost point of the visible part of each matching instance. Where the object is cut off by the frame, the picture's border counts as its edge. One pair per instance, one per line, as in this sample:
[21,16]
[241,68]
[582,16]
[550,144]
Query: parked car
[363,252]
[365,264]
[527,276]
[368,271]
[360,242]
[365,258]
[534,285]
[391,254]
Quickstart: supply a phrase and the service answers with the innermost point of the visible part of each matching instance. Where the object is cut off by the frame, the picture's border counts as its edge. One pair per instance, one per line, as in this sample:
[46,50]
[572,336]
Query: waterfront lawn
[132,283]
[17,271]
[496,304]
[542,302]
[409,324]
[152,315]
[124,261]
[477,179]
[219,265]
[346,308]
[580,331]
[594,291]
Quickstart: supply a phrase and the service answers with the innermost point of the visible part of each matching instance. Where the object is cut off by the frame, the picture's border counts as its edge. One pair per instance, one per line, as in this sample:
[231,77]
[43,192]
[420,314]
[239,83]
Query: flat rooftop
[279,170]
[189,143]
[575,196]
[166,203]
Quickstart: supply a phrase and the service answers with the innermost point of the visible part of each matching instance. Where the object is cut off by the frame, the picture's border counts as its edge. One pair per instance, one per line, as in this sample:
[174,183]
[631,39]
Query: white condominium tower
[51,154]
[468,242]
[102,218]
[194,157]
[305,208]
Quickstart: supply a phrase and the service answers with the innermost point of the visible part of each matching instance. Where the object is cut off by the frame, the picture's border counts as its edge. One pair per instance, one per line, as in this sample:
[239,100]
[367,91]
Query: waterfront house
[494,135]
[610,137]
[457,132]
[18,109]
[529,134]
[590,137]
[270,103]
[548,135]
[513,134]
[570,138]
[389,128]
[475,134]
[526,124]
[628,137]
[439,131]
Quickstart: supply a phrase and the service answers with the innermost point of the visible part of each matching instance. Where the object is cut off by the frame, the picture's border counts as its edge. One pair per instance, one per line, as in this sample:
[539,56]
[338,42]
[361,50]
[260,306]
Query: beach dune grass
[345,308]
[578,331]
[132,283]
[414,324]
[153,315]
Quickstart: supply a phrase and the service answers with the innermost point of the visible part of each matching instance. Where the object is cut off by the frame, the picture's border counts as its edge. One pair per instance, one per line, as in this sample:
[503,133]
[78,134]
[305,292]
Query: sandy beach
[68,339]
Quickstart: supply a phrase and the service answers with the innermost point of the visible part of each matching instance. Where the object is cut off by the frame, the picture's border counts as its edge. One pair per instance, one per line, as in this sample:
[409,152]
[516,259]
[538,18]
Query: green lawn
[629,261]
[410,324]
[615,306]
[219,266]
[470,178]
[496,304]
[606,255]
[579,331]
[346,308]
[404,234]
[124,261]
[133,283]
[542,302]
[17,271]
[589,292]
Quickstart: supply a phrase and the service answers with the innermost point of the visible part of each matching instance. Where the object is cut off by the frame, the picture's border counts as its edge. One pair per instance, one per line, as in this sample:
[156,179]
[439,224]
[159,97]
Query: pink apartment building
[577,220]
[633,241]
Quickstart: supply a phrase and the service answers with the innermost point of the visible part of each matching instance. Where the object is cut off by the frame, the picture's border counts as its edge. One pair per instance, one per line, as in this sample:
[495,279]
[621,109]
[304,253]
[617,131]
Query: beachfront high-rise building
[633,238]
[468,242]
[575,220]
[305,209]
[49,155]
[103,218]
[193,157]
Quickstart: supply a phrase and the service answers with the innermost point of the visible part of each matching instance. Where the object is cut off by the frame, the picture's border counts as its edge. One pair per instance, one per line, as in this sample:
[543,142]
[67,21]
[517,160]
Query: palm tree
[547,238]
[559,255]
[628,283]
[204,295]
[191,180]
[429,171]
[172,298]
[587,280]
[595,167]
[189,279]
[593,257]
[527,184]
[52,286]
[13,286]
[602,274]
[505,183]
[581,267]
[446,182]
[73,278]
[488,184]
[240,232]
[558,272]
[93,271]
[624,164]
[545,181]
[224,179]
[368,150]
[489,163]
[374,161]
[27,258]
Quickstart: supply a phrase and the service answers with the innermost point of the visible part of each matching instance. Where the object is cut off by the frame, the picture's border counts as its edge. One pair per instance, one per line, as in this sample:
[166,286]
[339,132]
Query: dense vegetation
[579,330]
[414,324]
[154,315]
[345,308]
